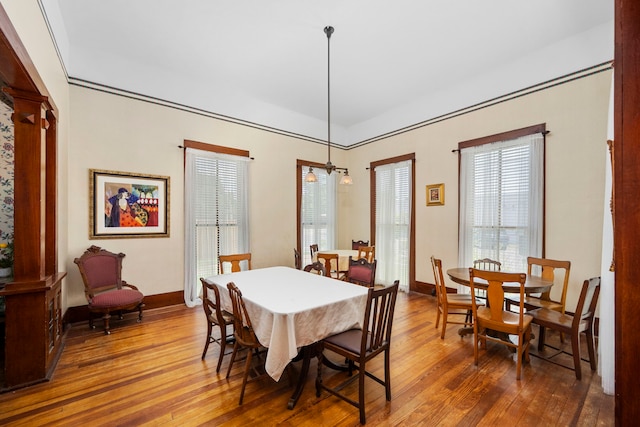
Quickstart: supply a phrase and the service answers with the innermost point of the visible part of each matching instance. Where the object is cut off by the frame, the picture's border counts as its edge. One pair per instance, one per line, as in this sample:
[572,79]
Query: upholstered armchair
[104,288]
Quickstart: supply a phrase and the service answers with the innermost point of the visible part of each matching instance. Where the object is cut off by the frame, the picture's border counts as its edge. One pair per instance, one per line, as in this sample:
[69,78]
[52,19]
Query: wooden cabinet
[33,331]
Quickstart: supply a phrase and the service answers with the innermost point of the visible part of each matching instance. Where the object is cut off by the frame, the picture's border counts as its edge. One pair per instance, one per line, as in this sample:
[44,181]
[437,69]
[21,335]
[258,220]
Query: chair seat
[555,319]
[531,303]
[349,340]
[509,322]
[226,316]
[116,298]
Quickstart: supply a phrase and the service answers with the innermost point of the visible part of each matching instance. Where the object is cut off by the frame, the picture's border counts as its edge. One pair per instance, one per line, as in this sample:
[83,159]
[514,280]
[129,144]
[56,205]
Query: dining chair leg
[591,349]
[223,345]
[233,358]
[476,340]
[575,348]
[206,344]
[387,374]
[438,318]
[247,368]
[519,355]
[361,373]
[444,325]
[541,337]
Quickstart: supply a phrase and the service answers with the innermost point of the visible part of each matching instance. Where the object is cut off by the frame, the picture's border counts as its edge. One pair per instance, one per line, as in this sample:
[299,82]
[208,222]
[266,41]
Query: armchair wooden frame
[104,288]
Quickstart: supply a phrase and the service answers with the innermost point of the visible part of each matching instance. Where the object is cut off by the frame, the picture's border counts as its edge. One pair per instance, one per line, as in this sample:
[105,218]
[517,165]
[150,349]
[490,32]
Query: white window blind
[216,214]
[318,212]
[501,202]
[393,222]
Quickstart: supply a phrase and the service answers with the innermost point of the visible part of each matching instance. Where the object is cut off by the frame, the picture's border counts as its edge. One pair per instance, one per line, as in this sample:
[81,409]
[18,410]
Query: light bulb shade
[310,177]
[346,179]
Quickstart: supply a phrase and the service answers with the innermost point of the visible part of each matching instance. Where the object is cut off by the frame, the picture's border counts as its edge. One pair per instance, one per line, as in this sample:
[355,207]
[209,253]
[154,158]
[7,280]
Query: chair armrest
[129,286]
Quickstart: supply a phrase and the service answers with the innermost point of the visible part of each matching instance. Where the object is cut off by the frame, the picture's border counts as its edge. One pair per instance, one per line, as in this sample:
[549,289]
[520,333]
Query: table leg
[306,353]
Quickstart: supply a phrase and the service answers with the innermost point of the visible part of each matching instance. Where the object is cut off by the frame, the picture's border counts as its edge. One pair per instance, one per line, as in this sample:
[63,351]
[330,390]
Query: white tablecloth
[343,257]
[290,308]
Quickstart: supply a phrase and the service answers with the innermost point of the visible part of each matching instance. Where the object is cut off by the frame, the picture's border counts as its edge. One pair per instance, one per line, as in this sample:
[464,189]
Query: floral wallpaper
[6,173]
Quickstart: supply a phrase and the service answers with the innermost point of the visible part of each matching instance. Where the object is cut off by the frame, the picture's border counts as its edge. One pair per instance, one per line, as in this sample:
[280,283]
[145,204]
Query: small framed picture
[435,195]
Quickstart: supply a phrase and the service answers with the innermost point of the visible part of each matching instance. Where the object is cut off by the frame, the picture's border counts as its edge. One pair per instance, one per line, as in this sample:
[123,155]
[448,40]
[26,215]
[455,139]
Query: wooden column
[626,177]
[30,196]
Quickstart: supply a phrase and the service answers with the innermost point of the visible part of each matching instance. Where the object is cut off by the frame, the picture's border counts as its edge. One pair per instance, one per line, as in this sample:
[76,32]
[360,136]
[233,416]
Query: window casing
[393,219]
[316,210]
[502,198]
[216,212]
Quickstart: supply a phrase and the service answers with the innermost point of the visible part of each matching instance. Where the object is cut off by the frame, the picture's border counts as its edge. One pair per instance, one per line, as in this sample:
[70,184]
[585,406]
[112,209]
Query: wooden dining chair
[359,346]
[361,272]
[486,264]
[367,252]
[548,269]
[216,317]
[450,304]
[313,249]
[236,260]
[297,259]
[317,268]
[244,335]
[330,262]
[574,325]
[355,244]
[493,317]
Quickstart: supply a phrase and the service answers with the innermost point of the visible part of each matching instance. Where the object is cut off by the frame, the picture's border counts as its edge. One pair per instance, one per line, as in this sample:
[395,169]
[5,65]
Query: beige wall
[576,115]
[117,133]
[103,131]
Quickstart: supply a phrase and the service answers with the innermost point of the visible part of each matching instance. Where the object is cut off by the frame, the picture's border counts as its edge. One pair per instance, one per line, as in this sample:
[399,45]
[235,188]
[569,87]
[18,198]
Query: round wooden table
[533,285]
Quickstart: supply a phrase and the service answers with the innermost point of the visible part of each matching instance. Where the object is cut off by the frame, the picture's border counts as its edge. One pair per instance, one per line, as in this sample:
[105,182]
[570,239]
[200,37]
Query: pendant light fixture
[329,167]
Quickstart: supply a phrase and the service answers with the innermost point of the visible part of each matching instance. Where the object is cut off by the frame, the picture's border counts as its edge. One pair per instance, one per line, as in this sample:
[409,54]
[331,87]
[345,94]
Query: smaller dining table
[343,257]
[532,285]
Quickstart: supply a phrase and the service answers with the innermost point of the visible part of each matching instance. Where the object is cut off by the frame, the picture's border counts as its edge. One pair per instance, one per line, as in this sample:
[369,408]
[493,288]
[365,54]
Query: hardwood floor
[151,374]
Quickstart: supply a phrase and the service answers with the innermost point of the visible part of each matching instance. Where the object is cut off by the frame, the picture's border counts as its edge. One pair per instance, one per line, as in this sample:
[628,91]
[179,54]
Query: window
[216,213]
[316,210]
[502,198]
[393,229]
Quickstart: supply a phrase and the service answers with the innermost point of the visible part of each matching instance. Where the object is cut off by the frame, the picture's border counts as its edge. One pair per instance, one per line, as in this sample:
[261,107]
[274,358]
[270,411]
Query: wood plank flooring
[151,374]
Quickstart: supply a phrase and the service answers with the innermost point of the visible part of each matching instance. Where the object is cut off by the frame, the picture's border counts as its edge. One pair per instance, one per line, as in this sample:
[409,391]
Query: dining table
[532,285]
[291,311]
[343,257]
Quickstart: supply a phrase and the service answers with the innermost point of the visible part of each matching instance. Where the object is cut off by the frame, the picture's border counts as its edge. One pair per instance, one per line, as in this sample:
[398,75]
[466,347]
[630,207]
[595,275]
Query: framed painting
[126,205]
[435,195]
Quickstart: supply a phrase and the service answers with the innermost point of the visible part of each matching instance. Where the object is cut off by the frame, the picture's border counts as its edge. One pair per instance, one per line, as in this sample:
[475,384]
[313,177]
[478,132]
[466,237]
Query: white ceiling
[393,63]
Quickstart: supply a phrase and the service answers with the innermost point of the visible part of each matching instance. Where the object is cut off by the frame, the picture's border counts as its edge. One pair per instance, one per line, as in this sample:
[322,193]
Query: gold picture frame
[435,195]
[127,205]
